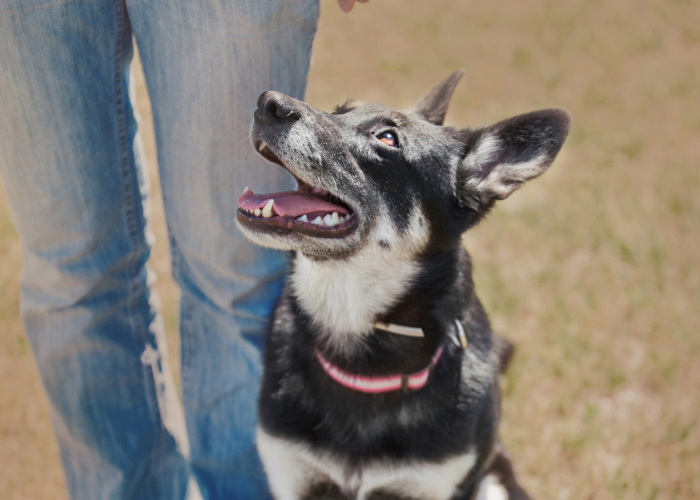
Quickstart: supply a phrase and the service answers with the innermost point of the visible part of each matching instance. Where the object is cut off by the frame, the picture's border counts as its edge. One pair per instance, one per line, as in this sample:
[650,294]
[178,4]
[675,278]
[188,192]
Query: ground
[592,270]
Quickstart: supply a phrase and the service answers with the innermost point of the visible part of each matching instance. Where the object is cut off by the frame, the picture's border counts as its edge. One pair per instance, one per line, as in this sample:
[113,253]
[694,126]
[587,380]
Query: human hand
[346,5]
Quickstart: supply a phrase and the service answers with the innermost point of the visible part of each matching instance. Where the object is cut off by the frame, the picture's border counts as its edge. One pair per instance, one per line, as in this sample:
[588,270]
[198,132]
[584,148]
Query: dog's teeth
[318,221]
[335,219]
[261,146]
[267,209]
[303,218]
[257,212]
[328,220]
[246,190]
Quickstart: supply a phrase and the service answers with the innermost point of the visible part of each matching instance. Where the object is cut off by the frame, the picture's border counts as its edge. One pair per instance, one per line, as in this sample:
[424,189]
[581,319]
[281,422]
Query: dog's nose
[275,108]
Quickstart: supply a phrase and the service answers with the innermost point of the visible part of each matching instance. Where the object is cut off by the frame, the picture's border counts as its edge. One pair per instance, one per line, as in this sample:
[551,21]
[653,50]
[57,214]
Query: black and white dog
[381,367]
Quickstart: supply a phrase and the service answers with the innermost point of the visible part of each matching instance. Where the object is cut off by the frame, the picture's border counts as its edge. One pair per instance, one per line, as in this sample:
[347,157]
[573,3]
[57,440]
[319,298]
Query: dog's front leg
[294,472]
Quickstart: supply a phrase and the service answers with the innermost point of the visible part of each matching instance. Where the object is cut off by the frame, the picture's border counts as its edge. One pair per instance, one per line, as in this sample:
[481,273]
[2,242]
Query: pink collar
[375,385]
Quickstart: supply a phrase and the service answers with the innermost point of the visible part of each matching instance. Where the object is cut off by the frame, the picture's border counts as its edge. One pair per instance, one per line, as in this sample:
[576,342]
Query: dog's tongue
[294,203]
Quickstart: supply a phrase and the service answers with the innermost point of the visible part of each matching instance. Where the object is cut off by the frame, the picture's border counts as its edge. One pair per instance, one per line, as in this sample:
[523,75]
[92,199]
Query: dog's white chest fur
[292,467]
[345,296]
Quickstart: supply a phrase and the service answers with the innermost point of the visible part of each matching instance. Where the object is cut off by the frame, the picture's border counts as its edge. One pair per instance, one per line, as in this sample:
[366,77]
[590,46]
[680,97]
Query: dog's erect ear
[500,158]
[433,105]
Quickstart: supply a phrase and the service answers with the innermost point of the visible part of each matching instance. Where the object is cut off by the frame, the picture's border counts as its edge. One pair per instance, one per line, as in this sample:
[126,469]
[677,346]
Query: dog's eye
[389,138]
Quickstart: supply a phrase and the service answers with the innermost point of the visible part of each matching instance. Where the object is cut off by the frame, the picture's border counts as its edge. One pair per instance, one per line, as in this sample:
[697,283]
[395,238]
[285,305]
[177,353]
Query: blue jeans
[72,168]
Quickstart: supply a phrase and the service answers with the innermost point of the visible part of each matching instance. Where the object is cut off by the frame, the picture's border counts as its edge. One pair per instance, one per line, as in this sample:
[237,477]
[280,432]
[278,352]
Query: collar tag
[409,331]
[460,333]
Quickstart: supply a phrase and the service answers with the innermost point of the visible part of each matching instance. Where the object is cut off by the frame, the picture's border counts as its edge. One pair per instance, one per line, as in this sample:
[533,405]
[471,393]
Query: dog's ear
[433,105]
[500,158]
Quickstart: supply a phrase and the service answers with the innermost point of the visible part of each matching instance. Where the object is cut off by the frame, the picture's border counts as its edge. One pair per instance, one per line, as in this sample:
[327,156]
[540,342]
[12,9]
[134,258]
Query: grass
[592,270]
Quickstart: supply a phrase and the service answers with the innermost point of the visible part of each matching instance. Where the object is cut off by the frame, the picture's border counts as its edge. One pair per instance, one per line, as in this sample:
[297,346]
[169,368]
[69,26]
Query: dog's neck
[344,298]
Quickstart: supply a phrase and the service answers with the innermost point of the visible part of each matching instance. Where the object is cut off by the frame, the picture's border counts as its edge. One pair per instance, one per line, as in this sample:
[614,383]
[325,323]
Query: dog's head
[397,180]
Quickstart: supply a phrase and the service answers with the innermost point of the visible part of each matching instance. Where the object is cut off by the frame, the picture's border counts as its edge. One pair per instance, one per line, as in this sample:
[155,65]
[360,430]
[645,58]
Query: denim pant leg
[70,166]
[206,62]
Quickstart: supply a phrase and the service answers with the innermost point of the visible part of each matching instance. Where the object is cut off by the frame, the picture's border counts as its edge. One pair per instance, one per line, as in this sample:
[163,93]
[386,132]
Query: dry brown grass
[593,270]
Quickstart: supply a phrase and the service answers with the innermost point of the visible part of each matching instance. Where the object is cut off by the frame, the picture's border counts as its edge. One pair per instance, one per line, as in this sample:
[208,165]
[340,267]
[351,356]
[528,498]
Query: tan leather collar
[412,331]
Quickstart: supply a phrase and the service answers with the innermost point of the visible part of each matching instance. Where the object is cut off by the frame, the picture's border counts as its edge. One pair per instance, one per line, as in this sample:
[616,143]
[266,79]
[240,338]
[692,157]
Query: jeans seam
[132,229]
[185,342]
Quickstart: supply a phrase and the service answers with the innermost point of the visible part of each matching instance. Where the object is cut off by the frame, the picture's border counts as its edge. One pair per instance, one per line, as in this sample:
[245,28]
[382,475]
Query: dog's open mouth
[309,210]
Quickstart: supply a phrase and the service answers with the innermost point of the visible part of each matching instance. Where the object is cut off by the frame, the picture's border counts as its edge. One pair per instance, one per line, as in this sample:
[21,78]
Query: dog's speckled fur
[402,263]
